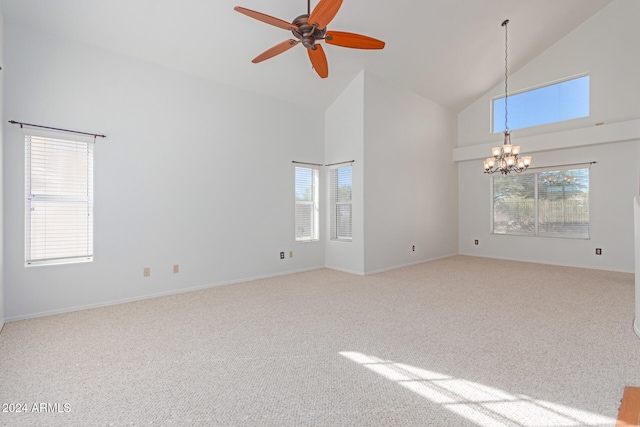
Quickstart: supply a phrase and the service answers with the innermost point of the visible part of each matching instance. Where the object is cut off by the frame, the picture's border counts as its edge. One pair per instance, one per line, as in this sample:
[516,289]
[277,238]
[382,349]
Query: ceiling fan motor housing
[306,33]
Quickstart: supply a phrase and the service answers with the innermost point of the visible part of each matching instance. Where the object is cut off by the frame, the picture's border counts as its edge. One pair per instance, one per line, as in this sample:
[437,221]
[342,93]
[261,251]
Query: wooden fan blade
[324,12]
[266,18]
[275,50]
[355,41]
[319,61]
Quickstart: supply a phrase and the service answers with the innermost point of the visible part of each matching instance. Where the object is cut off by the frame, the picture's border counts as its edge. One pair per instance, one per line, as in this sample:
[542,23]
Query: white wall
[399,198]
[344,141]
[2,121]
[191,172]
[613,184]
[409,198]
[605,46]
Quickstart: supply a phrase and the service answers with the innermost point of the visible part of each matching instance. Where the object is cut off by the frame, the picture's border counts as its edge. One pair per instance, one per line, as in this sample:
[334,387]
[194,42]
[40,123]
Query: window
[552,203]
[341,208]
[59,200]
[306,183]
[552,103]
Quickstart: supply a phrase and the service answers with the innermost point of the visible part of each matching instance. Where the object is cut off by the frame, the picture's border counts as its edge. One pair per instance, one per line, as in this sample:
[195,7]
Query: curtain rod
[560,166]
[341,163]
[13,122]
[305,163]
[315,164]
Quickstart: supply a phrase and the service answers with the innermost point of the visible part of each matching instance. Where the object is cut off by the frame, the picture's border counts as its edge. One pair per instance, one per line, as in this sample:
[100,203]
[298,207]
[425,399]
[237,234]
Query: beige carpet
[452,342]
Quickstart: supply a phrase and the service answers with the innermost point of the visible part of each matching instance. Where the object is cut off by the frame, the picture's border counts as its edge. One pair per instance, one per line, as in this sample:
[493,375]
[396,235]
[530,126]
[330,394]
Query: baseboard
[345,270]
[585,266]
[154,295]
[395,267]
[636,326]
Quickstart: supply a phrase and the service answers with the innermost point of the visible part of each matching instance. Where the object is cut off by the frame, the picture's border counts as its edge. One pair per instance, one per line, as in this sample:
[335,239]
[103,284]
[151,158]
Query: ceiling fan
[310,28]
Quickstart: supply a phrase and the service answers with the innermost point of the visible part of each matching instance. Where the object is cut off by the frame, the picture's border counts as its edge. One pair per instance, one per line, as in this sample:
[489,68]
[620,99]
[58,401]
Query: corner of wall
[344,141]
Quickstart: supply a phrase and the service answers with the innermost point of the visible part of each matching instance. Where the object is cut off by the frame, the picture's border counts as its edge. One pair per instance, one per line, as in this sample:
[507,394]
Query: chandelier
[505,159]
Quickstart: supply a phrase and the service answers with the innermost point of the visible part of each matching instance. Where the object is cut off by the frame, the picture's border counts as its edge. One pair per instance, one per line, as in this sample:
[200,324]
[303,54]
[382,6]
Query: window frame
[536,210]
[492,114]
[336,204]
[314,203]
[86,145]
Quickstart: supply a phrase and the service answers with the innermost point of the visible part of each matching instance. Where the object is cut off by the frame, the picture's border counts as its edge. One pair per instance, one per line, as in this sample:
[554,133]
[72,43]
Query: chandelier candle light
[505,159]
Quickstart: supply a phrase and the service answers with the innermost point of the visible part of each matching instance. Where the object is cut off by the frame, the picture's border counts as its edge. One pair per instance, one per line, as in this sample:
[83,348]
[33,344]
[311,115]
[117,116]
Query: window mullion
[492,204]
[537,204]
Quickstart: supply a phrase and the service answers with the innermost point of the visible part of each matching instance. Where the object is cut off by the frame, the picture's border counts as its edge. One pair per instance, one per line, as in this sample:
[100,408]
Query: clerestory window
[556,102]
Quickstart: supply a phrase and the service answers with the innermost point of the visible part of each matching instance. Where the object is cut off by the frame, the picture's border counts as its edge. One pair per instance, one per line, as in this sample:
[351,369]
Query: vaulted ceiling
[449,51]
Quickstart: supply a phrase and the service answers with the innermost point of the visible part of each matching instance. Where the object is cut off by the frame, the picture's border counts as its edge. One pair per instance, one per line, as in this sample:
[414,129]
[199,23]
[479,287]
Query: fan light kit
[505,159]
[310,28]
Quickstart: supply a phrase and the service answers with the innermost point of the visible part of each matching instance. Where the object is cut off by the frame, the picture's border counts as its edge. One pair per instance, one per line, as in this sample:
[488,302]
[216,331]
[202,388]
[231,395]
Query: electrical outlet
[598,251]
[290,254]
[281,255]
[147,272]
[176,268]
[476,242]
[413,248]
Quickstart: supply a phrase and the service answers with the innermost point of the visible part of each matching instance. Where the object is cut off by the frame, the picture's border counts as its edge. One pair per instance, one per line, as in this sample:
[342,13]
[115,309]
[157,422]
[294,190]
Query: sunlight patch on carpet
[483,405]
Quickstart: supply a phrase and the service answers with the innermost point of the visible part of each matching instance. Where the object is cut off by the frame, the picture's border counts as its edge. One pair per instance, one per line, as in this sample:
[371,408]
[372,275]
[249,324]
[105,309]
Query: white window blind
[59,200]
[549,203]
[306,193]
[341,206]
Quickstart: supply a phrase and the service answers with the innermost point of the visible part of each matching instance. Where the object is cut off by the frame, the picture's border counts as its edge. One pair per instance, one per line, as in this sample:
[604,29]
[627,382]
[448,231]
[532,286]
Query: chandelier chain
[506,73]
[506,159]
